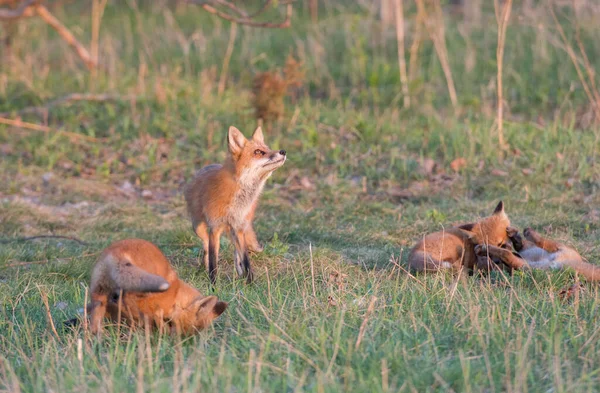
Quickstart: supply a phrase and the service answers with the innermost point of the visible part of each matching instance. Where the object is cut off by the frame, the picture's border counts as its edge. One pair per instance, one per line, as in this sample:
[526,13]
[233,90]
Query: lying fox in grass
[224,198]
[454,248]
[537,252]
[135,282]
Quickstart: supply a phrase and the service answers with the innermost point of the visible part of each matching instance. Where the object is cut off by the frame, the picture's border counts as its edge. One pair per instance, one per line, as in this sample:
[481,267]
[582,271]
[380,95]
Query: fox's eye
[258,152]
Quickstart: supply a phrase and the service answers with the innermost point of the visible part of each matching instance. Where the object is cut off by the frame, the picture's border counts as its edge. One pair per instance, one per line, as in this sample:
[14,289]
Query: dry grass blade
[44,296]
[363,326]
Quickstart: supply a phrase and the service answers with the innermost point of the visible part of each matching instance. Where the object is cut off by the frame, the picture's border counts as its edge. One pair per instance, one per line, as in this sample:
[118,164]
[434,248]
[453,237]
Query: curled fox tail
[589,271]
[131,278]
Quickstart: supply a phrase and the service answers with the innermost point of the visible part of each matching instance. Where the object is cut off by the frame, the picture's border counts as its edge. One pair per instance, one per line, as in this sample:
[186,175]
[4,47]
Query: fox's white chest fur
[248,192]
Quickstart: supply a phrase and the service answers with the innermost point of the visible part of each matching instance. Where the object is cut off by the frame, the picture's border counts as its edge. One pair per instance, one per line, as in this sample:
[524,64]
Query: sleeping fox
[454,248]
[538,252]
[133,281]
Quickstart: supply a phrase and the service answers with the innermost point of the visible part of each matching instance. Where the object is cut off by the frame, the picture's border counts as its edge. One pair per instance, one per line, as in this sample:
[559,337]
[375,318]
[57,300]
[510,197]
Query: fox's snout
[282,152]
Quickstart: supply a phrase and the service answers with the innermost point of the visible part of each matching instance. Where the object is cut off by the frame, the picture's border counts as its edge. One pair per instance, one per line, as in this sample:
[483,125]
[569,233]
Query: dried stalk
[436,31]
[228,53]
[401,60]
[502,20]
[97,13]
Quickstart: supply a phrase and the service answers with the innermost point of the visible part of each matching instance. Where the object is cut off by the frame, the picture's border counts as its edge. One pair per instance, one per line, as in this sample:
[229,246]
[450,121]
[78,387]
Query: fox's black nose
[282,152]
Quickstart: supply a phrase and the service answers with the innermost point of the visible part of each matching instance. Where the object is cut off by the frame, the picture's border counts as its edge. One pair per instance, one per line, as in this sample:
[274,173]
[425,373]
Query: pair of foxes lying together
[133,281]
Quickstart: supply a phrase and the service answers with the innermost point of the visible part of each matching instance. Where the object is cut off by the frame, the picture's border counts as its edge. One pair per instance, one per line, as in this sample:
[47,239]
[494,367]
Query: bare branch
[67,36]
[243,18]
[16,13]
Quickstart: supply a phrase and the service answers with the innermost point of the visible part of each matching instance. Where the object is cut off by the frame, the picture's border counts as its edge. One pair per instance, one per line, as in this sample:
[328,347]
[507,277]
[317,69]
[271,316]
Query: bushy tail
[131,278]
[590,271]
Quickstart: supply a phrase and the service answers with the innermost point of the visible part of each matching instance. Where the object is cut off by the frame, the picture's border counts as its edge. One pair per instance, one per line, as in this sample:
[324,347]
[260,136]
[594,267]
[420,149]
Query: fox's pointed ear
[235,140]
[205,304]
[258,135]
[500,208]
[220,308]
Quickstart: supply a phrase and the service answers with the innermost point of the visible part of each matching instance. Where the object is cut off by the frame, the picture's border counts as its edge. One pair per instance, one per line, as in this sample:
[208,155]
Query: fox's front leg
[506,256]
[250,235]
[202,232]
[214,240]
[543,243]
[98,312]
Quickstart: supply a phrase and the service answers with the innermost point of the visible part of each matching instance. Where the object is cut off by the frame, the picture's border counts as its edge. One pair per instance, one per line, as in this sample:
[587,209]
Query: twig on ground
[36,127]
[74,97]
[24,239]
[244,18]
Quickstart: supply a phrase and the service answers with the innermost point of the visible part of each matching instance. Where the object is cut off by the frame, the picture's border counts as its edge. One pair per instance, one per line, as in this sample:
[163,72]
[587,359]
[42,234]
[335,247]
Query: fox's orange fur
[538,252]
[454,247]
[223,198]
[133,280]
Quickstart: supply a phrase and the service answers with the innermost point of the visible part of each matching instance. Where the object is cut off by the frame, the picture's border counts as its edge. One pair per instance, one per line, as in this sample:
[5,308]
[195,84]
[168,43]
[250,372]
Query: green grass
[355,191]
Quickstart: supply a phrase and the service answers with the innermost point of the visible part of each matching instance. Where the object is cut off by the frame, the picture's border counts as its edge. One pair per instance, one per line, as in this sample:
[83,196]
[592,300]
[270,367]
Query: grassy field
[333,308]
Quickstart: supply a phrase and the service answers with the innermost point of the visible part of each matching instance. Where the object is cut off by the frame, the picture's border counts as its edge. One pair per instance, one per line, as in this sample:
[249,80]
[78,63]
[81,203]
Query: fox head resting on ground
[224,198]
[133,281]
[454,248]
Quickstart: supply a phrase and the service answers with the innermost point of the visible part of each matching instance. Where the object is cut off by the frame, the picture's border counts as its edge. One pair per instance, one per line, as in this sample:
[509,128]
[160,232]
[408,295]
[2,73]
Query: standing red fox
[133,280]
[538,252]
[454,248]
[224,198]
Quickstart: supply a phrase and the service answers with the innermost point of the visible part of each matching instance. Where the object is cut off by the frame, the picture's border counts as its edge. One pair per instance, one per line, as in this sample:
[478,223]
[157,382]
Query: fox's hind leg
[252,241]
[214,239]
[241,258]
[542,242]
[202,232]
[420,261]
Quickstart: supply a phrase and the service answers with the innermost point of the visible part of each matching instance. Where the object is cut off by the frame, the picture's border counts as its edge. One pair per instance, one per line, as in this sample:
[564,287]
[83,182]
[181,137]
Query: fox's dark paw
[512,231]
[481,250]
[529,233]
